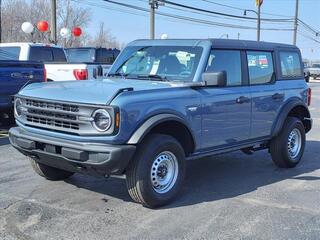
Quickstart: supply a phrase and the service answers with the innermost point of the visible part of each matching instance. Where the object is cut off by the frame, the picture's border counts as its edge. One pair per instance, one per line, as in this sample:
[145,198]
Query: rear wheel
[48,172]
[288,147]
[155,175]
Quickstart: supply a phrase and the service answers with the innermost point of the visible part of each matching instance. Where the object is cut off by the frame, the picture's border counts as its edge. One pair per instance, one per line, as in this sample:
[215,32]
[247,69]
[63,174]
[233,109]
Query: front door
[226,111]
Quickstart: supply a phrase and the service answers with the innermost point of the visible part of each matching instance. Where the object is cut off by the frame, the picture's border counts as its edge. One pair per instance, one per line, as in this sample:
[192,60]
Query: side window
[260,67]
[9,53]
[290,64]
[229,61]
[42,54]
[59,55]
[104,56]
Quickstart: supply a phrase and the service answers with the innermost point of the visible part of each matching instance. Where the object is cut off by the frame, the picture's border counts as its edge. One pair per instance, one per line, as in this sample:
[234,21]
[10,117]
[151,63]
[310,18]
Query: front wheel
[287,148]
[155,175]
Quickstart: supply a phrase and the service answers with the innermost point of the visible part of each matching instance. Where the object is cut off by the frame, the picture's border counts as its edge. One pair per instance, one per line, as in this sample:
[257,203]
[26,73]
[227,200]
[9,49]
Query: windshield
[172,63]
[80,55]
[316,65]
[9,53]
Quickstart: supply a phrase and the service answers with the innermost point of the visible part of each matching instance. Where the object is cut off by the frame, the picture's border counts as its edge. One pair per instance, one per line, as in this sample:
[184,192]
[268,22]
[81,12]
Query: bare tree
[104,39]
[70,16]
[15,12]
[12,20]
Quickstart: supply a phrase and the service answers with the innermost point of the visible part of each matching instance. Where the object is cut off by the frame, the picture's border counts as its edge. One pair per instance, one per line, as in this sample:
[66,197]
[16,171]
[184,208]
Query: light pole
[225,34]
[296,23]
[258,20]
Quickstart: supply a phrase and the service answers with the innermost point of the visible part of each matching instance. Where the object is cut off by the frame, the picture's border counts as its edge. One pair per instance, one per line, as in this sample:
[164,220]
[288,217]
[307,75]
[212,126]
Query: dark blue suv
[165,102]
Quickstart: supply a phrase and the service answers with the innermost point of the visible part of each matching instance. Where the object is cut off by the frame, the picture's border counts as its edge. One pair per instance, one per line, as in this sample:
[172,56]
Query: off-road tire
[48,172]
[138,176]
[279,145]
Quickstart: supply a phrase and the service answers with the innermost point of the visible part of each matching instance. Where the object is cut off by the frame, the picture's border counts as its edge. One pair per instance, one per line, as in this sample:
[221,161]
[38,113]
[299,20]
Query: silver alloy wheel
[164,172]
[294,143]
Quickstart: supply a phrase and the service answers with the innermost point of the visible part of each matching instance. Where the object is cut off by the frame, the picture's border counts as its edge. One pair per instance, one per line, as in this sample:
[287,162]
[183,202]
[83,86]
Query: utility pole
[54,21]
[154,4]
[0,21]
[259,22]
[152,13]
[296,23]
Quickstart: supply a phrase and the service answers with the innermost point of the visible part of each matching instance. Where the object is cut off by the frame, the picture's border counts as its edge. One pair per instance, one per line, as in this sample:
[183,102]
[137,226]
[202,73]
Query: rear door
[226,110]
[267,95]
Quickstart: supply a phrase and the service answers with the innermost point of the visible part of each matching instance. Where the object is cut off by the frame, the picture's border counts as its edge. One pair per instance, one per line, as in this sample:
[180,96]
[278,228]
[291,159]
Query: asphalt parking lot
[233,196]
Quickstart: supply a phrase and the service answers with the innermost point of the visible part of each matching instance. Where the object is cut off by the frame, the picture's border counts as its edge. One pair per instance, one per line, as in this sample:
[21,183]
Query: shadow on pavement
[218,177]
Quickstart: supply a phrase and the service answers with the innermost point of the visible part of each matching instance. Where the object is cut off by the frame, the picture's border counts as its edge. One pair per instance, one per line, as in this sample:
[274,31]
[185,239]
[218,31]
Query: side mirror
[218,79]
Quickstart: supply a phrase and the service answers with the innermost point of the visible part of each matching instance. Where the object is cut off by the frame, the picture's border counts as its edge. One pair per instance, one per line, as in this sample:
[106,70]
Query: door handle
[277,96]
[242,99]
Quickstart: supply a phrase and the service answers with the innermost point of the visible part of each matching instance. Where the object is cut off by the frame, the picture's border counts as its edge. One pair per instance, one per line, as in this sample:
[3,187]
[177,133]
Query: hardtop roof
[219,43]
[247,44]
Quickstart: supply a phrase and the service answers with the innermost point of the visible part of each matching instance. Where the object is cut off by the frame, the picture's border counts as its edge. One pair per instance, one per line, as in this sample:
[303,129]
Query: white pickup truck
[54,59]
[314,70]
[103,58]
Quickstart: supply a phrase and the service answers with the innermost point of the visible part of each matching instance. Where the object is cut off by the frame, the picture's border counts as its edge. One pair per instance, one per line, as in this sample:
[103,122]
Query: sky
[127,24]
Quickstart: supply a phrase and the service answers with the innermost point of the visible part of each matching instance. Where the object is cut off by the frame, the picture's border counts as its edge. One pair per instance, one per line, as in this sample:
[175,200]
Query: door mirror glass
[218,79]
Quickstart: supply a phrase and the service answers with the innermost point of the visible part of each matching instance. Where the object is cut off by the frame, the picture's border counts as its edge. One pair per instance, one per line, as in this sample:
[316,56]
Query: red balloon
[43,26]
[76,31]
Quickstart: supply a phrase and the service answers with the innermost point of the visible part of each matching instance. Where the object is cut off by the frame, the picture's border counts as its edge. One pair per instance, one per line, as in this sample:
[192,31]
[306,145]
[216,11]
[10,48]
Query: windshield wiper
[153,77]
[117,74]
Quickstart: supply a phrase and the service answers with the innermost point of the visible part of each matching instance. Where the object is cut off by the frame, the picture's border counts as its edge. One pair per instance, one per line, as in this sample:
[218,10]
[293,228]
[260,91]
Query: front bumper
[87,158]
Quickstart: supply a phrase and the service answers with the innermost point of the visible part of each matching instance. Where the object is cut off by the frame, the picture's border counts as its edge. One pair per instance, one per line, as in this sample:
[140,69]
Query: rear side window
[229,61]
[290,65]
[260,65]
[42,54]
[104,56]
[9,53]
[59,55]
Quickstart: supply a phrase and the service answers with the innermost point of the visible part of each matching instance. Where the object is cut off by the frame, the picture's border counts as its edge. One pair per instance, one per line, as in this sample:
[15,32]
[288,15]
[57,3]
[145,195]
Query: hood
[89,91]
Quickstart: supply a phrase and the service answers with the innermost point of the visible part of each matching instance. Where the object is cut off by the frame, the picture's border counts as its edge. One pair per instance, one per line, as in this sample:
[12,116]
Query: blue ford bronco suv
[163,103]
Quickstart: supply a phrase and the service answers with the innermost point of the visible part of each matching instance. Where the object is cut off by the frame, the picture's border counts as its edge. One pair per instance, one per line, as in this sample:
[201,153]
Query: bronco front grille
[52,105]
[52,122]
[57,116]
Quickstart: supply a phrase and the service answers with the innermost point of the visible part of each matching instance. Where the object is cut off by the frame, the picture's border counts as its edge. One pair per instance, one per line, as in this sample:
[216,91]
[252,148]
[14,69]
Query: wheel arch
[165,124]
[293,108]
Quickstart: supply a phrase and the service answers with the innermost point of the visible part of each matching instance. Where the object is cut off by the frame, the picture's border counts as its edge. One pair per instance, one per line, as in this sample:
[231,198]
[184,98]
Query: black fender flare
[278,123]
[153,121]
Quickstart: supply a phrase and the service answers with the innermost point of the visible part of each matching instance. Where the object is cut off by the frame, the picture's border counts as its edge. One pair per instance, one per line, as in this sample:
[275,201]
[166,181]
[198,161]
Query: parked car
[102,57]
[14,75]
[54,58]
[314,70]
[306,71]
[166,102]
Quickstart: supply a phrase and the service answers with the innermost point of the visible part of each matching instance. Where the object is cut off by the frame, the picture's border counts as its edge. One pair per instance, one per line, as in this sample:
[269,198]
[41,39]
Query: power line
[242,9]
[165,18]
[206,22]
[224,14]
[220,17]
[315,31]
[308,37]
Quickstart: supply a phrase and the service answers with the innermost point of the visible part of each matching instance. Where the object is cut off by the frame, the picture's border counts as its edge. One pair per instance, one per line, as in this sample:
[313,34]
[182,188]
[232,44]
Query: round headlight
[18,107]
[101,120]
